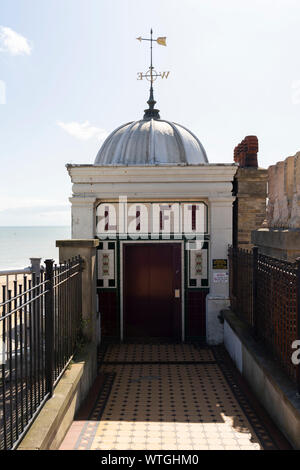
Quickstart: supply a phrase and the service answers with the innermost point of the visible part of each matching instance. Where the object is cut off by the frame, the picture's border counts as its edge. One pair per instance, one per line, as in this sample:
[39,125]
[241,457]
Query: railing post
[49,327]
[254,289]
[35,265]
[298,316]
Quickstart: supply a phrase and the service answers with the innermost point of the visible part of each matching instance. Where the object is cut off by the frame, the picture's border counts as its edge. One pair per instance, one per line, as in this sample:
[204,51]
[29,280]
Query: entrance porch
[150,293]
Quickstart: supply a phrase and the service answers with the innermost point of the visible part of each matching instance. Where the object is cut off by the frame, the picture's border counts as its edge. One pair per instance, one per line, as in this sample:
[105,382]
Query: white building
[163,215]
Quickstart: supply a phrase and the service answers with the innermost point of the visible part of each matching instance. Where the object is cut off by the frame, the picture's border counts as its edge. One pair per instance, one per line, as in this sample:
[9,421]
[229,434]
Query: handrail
[9,272]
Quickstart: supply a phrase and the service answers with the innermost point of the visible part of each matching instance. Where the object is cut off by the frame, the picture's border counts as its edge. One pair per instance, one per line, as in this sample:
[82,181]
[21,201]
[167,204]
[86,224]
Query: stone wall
[283,210]
[87,250]
[280,238]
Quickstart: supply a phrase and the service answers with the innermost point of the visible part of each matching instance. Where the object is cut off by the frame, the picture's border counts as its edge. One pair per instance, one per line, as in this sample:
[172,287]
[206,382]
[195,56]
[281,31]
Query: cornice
[152,174]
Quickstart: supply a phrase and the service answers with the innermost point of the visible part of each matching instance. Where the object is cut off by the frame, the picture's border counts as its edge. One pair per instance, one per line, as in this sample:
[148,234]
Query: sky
[68,77]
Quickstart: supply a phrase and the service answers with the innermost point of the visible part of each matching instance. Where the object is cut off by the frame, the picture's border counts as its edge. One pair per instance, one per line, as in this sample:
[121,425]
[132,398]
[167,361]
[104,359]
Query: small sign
[219,263]
[220,278]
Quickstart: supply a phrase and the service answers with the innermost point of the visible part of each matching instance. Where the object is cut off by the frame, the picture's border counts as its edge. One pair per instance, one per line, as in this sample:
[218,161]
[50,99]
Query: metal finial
[151,75]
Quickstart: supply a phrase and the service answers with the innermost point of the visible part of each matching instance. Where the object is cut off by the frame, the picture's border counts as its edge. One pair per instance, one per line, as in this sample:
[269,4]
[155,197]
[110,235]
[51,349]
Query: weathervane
[151,75]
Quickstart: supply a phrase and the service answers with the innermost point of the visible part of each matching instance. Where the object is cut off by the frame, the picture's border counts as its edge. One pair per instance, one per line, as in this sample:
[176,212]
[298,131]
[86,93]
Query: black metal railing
[40,320]
[241,283]
[265,292]
[67,301]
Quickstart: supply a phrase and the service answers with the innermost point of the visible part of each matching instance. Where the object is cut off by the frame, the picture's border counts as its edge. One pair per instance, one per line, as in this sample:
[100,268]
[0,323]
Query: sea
[19,244]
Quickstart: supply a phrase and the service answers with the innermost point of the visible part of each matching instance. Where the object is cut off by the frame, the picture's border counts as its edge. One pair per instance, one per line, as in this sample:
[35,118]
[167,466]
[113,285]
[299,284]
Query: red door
[152,290]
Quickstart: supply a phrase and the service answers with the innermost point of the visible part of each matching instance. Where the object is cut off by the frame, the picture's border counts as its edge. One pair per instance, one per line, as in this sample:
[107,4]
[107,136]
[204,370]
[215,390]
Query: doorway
[152,296]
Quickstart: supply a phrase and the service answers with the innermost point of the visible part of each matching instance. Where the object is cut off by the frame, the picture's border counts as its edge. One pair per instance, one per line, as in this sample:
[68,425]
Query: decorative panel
[141,220]
[106,265]
[198,267]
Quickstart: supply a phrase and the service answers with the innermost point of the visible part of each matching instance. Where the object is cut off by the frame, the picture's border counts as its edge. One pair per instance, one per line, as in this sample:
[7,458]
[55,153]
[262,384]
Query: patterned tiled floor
[169,397]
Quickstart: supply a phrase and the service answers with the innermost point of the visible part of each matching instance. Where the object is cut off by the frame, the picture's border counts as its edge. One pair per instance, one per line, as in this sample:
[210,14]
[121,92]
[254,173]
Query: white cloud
[83,131]
[13,42]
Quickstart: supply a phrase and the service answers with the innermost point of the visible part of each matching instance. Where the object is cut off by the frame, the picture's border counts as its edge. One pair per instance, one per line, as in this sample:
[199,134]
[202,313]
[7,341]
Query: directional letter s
[296,354]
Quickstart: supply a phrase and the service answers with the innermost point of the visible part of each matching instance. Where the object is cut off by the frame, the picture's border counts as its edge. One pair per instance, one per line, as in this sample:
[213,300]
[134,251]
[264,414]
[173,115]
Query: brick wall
[250,189]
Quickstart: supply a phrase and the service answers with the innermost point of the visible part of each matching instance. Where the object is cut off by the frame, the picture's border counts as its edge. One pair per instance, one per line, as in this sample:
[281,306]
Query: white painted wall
[83,217]
[234,346]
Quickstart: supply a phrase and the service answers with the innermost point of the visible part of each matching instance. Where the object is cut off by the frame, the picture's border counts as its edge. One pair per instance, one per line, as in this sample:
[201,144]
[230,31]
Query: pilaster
[221,238]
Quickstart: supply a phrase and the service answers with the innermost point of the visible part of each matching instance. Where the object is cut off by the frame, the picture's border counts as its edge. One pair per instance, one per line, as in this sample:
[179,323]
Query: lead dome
[151,142]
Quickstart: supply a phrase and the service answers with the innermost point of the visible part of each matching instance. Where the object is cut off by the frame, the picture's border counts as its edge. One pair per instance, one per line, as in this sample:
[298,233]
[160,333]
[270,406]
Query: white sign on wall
[220,278]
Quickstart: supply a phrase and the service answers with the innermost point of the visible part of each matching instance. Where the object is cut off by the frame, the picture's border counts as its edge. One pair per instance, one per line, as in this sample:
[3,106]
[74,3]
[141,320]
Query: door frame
[127,242]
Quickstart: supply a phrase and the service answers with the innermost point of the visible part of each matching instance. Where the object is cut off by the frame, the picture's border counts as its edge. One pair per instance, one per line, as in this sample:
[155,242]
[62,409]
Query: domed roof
[151,142]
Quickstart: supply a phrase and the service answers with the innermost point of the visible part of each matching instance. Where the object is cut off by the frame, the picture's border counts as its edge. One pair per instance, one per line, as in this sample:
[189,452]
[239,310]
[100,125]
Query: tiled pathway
[172,397]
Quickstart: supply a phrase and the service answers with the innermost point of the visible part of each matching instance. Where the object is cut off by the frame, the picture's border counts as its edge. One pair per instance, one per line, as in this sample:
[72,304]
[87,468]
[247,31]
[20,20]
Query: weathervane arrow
[151,75]
[160,40]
